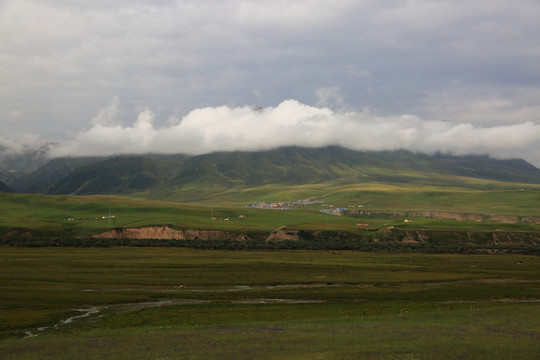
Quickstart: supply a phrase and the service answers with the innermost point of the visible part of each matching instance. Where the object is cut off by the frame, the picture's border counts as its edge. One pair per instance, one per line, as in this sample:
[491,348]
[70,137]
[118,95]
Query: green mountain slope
[163,176]
[295,166]
[285,165]
[116,175]
[47,175]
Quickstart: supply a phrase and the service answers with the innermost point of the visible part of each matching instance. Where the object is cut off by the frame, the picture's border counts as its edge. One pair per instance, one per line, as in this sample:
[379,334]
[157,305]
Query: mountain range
[166,174]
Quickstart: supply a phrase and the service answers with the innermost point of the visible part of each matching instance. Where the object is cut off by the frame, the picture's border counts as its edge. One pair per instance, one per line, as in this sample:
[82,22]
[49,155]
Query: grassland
[180,303]
[48,215]
[164,303]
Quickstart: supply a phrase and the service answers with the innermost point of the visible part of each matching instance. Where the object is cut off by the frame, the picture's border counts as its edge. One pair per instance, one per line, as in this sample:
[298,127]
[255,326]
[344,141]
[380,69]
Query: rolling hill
[160,176]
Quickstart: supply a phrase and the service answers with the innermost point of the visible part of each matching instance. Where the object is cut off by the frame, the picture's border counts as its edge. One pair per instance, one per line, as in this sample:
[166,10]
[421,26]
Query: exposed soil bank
[389,235]
[166,233]
[459,237]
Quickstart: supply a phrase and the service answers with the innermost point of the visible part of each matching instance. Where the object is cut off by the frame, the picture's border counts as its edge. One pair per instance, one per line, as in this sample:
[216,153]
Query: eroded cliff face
[282,234]
[165,232]
[387,235]
[457,237]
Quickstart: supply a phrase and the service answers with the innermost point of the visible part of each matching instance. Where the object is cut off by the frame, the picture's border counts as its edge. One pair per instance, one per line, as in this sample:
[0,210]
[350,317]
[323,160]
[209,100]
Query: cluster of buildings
[282,205]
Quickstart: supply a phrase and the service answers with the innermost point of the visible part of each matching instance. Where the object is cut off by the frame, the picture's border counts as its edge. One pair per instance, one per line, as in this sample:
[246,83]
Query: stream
[84,313]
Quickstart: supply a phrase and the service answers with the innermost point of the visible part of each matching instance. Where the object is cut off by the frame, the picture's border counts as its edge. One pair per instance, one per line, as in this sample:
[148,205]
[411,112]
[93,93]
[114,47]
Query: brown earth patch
[283,234]
[166,233]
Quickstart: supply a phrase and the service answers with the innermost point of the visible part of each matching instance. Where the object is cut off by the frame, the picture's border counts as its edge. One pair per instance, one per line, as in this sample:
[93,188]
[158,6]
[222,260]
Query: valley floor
[170,303]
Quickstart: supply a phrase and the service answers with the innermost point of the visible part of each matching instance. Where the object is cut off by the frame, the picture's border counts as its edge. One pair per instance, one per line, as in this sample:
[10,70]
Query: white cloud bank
[248,128]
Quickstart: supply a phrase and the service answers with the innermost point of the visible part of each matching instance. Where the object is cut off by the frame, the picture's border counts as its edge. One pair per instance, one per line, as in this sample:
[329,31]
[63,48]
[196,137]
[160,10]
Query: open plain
[177,303]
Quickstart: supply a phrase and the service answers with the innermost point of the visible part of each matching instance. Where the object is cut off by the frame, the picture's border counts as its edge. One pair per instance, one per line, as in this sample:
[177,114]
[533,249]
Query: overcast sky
[128,76]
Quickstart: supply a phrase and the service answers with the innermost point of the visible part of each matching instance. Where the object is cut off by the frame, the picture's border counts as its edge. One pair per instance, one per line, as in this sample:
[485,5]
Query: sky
[136,76]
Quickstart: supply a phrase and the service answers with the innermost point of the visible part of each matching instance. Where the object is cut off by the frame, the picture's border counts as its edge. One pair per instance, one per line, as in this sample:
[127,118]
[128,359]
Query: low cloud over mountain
[226,128]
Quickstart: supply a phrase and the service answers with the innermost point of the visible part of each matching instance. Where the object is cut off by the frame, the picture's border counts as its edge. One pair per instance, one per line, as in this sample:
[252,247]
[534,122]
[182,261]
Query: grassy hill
[116,175]
[201,177]
[379,205]
[293,166]
[40,180]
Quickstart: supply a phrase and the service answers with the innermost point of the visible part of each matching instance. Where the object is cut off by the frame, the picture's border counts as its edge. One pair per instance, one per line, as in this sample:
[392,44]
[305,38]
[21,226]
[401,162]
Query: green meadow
[171,303]
[45,215]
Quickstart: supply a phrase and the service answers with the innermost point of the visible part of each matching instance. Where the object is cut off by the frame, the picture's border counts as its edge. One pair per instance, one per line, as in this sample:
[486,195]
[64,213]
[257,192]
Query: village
[282,205]
[325,208]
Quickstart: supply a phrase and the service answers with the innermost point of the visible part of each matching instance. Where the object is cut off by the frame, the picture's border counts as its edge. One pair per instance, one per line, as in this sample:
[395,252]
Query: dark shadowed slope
[115,175]
[47,175]
[5,188]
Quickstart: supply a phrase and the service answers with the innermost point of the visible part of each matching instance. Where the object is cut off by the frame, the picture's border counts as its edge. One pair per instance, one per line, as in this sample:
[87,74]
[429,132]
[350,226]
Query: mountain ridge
[220,171]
